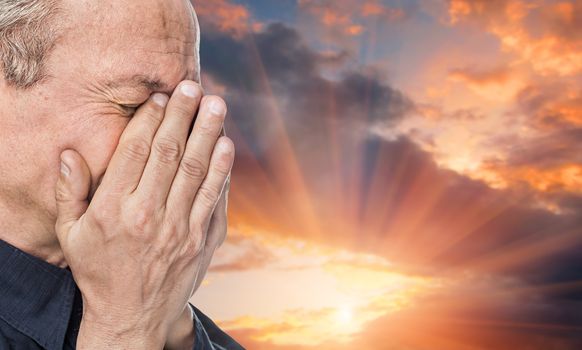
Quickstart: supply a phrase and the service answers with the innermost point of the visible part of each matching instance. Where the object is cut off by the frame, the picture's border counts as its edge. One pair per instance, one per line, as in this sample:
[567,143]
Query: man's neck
[31,231]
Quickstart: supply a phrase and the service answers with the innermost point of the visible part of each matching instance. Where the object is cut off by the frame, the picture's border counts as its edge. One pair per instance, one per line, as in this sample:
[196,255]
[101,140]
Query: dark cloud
[435,216]
[571,201]
[475,322]
[278,59]
[548,150]
[274,72]
[277,52]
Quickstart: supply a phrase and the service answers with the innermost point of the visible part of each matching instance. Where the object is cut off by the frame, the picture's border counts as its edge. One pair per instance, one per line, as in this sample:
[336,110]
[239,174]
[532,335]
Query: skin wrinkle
[173,53]
[168,36]
[101,101]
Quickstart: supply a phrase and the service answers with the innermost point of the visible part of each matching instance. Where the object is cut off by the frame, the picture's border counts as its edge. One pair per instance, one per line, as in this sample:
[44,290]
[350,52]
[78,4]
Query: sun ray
[282,157]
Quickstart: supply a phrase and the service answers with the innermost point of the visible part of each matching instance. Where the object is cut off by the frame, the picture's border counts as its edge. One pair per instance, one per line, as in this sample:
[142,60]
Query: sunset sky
[408,173]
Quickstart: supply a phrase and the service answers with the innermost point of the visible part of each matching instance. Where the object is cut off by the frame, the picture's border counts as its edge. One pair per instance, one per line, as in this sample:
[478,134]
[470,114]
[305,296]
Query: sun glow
[335,294]
[344,315]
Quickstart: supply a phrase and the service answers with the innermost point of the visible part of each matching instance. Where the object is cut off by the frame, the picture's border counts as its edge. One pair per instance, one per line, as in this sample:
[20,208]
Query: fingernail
[65,170]
[216,107]
[160,99]
[189,90]
[224,147]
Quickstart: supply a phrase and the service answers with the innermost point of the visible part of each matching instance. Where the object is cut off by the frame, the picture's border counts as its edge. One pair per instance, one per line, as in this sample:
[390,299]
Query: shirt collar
[36,298]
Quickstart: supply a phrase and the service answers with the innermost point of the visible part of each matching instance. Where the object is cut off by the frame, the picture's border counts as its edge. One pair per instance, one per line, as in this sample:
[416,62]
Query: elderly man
[114,176]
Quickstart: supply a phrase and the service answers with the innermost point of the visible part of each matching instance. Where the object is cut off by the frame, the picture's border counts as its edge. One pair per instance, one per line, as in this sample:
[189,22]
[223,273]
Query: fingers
[72,191]
[217,231]
[219,223]
[129,159]
[169,142]
[211,189]
[195,161]
[206,259]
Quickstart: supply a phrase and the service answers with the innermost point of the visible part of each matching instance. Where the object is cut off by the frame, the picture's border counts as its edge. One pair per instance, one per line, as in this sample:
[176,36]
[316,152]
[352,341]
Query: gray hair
[27,36]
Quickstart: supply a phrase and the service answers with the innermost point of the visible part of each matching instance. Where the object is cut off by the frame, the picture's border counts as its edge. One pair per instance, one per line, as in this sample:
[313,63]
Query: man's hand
[138,250]
[182,332]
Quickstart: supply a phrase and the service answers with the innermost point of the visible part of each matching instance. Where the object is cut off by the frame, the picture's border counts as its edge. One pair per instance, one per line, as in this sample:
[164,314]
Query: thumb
[72,191]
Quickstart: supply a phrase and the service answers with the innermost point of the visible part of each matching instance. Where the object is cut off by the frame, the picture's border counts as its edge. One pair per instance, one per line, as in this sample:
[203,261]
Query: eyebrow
[150,83]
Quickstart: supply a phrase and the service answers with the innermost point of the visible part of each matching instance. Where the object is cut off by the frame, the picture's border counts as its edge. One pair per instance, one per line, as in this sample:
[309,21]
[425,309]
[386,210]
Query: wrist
[104,331]
[95,336]
[181,335]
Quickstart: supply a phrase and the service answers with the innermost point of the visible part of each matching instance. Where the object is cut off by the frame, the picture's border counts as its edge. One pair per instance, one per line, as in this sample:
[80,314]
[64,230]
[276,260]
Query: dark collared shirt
[41,307]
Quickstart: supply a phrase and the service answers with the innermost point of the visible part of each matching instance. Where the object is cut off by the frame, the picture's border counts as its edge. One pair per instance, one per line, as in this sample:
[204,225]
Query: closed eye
[129,109]
[132,105]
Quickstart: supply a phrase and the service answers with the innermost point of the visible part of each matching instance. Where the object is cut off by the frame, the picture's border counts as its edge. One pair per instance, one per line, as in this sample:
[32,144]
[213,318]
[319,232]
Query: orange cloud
[224,16]
[467,313]
[332,17]
[544,35]
[552,106]
[303,327]
[349,17]
[307,294]
[373,8]
[355,30]
[498,83]
[566,177]
[240,254]
[497,75]
[544,43]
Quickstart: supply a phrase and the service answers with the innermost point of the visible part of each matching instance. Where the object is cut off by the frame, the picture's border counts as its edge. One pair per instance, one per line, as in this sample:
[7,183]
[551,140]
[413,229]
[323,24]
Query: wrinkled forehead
[155,39]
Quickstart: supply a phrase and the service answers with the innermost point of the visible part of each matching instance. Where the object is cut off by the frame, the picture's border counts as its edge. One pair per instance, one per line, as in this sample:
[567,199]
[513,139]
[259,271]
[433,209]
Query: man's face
[112,56]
